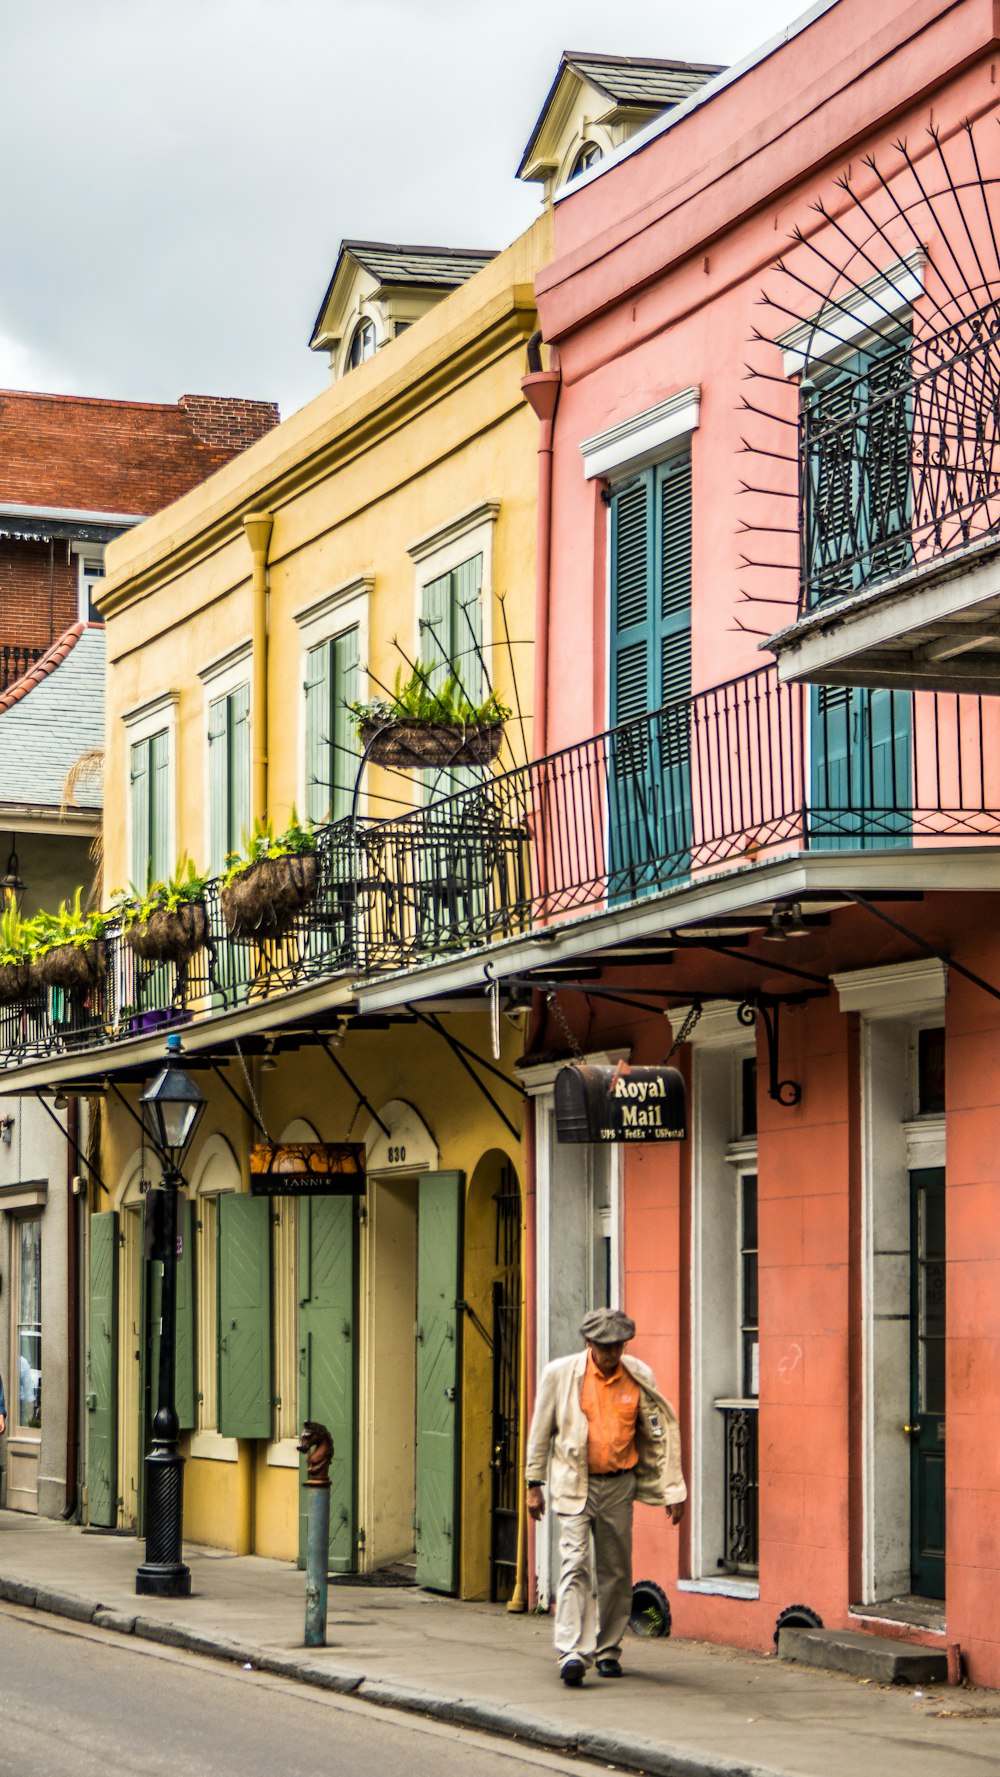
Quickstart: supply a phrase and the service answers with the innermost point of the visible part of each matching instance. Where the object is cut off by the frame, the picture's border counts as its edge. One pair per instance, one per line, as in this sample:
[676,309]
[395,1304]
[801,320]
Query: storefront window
[29,1324]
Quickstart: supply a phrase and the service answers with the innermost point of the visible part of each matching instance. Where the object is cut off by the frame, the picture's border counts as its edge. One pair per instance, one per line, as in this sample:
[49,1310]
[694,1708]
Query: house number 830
[397,1156]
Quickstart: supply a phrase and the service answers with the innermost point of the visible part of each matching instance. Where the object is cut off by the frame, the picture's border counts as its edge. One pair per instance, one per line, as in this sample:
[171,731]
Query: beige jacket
[557,1440]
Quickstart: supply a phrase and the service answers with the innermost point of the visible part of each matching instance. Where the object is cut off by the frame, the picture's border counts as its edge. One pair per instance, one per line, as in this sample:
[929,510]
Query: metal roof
[649,83]
[44,732]
[444,266]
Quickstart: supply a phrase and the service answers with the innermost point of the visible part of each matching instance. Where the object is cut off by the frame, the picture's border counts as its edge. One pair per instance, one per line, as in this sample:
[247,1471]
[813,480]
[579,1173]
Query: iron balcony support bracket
[767,1008]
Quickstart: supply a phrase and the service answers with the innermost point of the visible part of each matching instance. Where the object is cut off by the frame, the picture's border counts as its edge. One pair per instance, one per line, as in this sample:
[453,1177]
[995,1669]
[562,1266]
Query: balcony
[899,515]
[15,659]
[743,774]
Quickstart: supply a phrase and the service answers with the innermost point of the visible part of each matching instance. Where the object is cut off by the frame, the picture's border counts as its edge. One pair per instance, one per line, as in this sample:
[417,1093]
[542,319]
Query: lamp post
[172,1106]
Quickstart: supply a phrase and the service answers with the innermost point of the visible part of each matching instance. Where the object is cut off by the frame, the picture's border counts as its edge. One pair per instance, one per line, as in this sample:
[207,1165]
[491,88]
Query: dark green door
[860,750]
[439,1288]
[327,1360]
[244,1316]
[102,1372]
[927,1380]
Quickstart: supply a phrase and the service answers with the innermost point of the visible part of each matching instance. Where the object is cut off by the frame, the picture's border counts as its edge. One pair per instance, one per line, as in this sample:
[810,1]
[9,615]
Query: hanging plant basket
[18,981]
[170,935]
[413,746]
[74,967]
[263,900]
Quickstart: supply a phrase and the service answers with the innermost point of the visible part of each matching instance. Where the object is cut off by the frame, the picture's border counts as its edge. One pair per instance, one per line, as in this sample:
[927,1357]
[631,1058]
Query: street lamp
[172,1106]
[11,886]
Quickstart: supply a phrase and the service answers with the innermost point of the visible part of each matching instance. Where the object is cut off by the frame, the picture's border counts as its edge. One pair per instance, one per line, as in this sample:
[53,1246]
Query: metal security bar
[741,1487]
[899,456]
[742,772]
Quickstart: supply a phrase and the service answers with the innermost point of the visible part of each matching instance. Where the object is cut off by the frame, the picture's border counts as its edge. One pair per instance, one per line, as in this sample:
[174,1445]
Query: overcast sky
[180,172]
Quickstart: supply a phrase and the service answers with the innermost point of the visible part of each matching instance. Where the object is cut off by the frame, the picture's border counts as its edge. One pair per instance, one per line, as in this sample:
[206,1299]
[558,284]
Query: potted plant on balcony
[18,977]
[264,889]
[169,923]
[418,726]
[70,947]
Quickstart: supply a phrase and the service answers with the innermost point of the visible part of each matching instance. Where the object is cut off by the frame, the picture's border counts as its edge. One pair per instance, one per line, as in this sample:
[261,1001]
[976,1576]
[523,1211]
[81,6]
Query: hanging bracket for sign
[307,1169]
[618,1104]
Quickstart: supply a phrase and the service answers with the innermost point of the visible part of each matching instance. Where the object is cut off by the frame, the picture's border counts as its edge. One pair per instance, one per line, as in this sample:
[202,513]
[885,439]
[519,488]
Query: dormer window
[362,345]
[588,157]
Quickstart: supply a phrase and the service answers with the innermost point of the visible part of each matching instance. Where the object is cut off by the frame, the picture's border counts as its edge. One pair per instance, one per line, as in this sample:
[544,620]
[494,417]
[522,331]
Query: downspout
[258,527]
[541,391]
[73,1299]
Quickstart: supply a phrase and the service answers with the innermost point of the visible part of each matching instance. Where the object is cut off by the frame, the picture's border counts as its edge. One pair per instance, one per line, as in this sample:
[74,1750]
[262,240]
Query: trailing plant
[17,942]
[184,887]
[68,929]
[416,700]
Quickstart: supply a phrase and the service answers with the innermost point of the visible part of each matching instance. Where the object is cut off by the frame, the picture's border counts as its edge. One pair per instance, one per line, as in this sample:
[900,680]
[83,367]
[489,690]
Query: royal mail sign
[614,1104]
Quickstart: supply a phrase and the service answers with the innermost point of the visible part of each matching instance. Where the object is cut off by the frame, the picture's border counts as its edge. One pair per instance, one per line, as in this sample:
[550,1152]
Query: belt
[602,1474]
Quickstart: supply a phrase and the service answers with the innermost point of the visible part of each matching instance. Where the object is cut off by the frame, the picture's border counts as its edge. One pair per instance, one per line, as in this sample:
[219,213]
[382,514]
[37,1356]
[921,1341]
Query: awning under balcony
[935,627]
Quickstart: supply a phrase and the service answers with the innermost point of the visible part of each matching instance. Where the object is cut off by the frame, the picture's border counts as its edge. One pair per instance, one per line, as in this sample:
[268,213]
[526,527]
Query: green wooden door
[102,1372]
[439,1287]
[327,1361]
[244,1317]
[927,1380]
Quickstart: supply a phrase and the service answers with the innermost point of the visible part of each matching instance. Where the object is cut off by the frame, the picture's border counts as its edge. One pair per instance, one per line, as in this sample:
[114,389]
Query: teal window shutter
[436,627]
[239,766]
[319,786]
[332,751]
[149,794]
[139,864]
[228,774]
[244,1317]
[467,626]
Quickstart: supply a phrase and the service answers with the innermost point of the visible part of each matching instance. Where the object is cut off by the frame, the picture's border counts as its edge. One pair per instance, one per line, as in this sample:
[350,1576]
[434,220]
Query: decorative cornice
[635,443]
[485,513]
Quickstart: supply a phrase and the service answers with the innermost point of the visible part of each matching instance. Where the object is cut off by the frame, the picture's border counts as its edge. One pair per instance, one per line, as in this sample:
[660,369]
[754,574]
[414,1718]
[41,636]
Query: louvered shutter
[885,451]
[139,815]
[467,627]
[239,766]
[631,573]
[435,628]
[244,1317]
[344,753]
[317,687]
[830,489]
[218,784]
[159,806]
[674,735]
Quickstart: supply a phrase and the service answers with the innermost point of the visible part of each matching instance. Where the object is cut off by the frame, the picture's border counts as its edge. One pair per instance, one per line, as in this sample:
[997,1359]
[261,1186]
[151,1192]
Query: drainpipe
[258,526]
[72,1313]
[541,391]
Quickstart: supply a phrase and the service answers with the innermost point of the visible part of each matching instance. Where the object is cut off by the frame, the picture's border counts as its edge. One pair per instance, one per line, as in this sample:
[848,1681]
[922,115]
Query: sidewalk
[685,1708]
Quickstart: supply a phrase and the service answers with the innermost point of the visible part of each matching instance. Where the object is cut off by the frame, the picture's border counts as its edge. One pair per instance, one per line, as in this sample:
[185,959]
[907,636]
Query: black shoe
[572,1673]
[609,1667]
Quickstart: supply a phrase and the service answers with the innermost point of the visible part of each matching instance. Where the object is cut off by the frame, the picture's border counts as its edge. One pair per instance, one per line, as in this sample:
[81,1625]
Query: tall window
[362,344]
[332,683]
[228,774]
[451,627]
[28,1260]
[149,802]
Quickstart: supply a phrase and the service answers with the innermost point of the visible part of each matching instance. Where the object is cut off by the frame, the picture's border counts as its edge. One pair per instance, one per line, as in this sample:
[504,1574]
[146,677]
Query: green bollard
[317,1445]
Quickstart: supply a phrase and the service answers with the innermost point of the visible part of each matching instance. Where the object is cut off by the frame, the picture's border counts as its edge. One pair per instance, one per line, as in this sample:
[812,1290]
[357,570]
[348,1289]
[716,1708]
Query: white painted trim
[888,294]
[283,1453]
[925,1142]
[453,532]
[149,718]
[211,1446]
[324,614]
[227,667]
[344,607]
[70,514]
[717,1028]
[901,990]
[731,1587]
[645,438]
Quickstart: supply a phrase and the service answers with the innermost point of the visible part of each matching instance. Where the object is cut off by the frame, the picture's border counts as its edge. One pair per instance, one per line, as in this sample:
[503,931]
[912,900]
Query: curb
[651,1757]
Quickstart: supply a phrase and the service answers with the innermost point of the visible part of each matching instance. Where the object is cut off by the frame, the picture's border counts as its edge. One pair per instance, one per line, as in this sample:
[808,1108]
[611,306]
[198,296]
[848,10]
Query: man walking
[606,1437]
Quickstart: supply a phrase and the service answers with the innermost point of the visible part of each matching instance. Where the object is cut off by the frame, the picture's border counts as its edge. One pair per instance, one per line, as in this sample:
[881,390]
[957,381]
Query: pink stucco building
[771,331]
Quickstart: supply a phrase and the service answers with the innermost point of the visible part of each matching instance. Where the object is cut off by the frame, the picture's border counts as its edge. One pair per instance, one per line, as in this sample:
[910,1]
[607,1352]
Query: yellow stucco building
[391,521]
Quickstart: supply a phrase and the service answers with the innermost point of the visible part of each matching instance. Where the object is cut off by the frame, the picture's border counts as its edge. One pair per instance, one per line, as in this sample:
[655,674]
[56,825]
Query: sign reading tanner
[307,1169]
[620,1103]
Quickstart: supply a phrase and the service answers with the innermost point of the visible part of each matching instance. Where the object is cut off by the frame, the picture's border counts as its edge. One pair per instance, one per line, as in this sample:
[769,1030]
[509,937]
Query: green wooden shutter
[139,863]
[631,575]
[327,1360]
[160,861]
[435,628]
[102,1372]
[239,766]
[319,791]
[344,752]
[218,783]
[244,1317]
[467,626]
[184,1354]
[674,728]
[439,1287]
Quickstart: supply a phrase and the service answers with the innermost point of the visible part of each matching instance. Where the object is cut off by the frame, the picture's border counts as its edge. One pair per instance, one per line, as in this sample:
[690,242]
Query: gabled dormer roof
[611,90]
[375,271]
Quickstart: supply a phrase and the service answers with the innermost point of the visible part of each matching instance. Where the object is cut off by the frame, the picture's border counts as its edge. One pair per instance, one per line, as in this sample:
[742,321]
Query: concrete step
[864,1656]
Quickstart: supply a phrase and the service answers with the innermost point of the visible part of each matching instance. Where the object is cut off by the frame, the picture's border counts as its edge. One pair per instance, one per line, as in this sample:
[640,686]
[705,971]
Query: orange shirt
[611,1405]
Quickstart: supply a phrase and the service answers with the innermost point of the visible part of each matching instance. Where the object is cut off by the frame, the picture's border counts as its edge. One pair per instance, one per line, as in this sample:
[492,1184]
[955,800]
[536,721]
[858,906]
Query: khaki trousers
[595,1543]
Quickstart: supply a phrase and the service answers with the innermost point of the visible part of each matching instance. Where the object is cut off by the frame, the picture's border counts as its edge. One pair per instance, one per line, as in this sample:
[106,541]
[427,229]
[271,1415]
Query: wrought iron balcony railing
[742,772]
[899,455]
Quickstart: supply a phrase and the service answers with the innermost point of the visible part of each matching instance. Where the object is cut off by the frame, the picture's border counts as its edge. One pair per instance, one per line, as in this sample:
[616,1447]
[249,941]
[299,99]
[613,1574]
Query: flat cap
[607,1326]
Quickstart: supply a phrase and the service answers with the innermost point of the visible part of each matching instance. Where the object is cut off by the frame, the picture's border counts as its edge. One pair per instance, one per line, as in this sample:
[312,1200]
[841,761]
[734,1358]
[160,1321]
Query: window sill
[730,1587]
[210,1446]
[283,1454]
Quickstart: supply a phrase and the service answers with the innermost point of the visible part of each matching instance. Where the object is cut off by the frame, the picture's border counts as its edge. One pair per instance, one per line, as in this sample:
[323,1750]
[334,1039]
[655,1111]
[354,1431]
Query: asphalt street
[75,1699]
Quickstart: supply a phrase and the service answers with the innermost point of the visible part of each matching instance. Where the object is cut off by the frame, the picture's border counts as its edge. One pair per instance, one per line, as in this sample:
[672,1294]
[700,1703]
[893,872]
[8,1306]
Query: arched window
[362,344]
[588,156]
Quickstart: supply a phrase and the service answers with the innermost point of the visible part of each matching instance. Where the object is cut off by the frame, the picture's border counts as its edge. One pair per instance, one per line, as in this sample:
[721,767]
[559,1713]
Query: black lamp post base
[167,1581]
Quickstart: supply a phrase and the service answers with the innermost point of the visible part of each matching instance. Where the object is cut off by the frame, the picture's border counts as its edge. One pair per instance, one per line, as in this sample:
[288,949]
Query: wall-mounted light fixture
[11,886]
[6,1130]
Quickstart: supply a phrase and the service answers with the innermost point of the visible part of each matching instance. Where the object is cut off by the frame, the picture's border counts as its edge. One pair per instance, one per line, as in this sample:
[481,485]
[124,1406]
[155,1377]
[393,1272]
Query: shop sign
[307,1169]
[616,1104]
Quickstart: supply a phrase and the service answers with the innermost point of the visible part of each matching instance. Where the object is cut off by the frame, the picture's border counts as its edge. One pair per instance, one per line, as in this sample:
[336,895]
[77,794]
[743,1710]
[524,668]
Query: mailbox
[615,1104]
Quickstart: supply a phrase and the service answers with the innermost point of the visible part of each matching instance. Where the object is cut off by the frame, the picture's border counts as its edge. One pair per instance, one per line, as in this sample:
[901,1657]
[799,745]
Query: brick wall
[38,592]
[225,423]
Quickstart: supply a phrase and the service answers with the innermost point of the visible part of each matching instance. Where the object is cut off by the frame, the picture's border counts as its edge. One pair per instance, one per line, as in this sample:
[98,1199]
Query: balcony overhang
[818,877]
[934,628]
